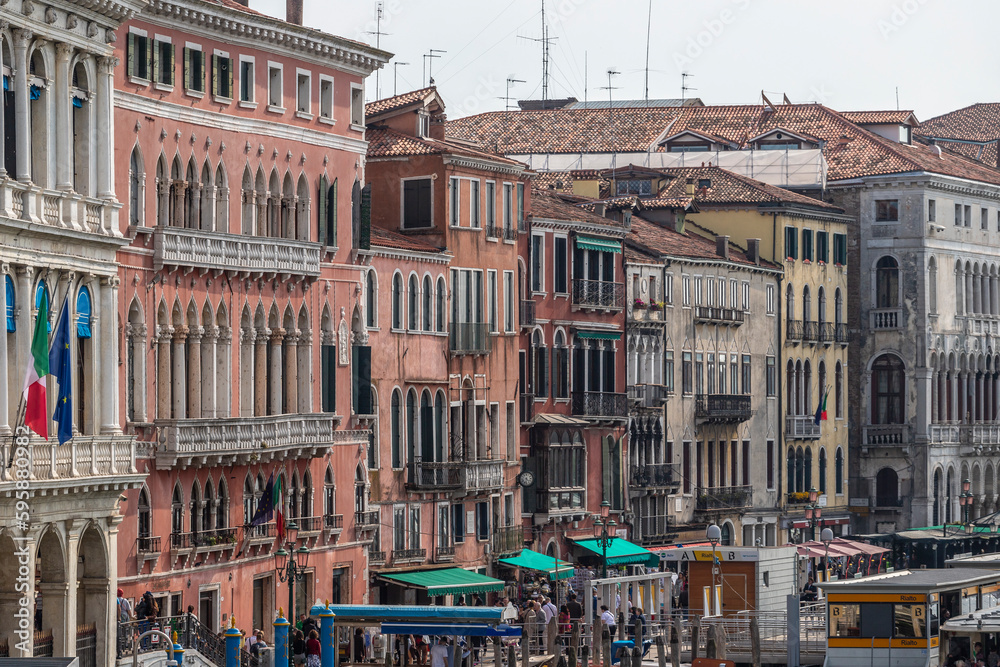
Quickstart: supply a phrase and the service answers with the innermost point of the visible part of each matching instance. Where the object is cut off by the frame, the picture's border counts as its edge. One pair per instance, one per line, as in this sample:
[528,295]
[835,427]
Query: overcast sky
[847,54]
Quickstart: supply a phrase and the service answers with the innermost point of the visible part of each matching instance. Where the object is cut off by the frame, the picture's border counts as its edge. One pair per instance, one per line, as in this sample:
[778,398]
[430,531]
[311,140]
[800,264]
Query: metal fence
[191,634]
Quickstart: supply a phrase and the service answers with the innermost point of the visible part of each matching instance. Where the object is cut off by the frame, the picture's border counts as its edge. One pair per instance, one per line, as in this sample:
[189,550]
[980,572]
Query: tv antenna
[379,10]
[429,68]
[508,98]
[612,72]
[395,71]
[545,40]
[684,87]
[649,23]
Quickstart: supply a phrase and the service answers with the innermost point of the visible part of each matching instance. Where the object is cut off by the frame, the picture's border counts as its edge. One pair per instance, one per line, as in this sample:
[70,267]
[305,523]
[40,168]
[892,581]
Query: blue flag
[265,507]
[61,367]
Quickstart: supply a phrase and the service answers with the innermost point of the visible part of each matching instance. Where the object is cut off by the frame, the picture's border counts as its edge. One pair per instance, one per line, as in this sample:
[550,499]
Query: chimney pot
[753,251]
[293,11]
[689,187]
[722,246]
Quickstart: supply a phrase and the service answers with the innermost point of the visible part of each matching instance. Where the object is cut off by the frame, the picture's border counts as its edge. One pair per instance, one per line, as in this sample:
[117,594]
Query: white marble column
[924,377]
[5,370]
[107,371]
[64,128]
[21,104]
[137,345]
[3,134]
[105,129]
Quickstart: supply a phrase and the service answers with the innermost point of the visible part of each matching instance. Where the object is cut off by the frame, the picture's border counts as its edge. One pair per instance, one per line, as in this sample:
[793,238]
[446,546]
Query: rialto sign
[724,554]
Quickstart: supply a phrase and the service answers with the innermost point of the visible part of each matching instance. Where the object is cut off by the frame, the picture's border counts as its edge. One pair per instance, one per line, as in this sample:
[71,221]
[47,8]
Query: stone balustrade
[58,208]
[102,458]
[232,253]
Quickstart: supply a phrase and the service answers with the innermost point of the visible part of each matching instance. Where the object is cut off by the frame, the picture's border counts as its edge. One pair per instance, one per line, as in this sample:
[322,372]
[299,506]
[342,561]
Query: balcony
[333,522]
[506,541]
[527,409]
[598,294]
[797,498]
[467,477]
[147,545]
[886,434]
[444,554]
[186,442]
[409,555]
[647,395]
[842,335]
[810,332]
[492,231]
[657,530]
[376,557]
[723,408]
[527,313]
[234,254]
[827,332]
[793,331]
[562,501]
[509,234]
[262,534]
[367,520]
[649,314]
[723,498]
[654,476]
[85,463]
[801,427]
[469,338]
[886,318]
[712,315]
[60,209]
[308,525]
[600,405]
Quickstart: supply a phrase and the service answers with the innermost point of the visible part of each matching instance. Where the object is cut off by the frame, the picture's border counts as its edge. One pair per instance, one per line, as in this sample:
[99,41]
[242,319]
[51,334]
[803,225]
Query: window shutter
[172,65]
[229,91]
[149,58]
[215,75]
[321,222]
[154,74]
[187,68]
[361,387]
[366,217]
[333,210]
[131,54]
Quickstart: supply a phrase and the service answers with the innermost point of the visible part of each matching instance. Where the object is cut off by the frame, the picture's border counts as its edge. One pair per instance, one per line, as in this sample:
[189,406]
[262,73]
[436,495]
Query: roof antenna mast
[379,9]
[508,98]
[429,68]
[545,40]
[649,22]
[684,87]
[612,72]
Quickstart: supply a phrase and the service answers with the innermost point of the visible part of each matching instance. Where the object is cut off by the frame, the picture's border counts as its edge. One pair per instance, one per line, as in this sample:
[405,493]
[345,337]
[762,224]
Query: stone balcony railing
[886,318]
[243,440]
[81,462]
[234,254]
[506,540]
[56,208]
[647,395]
[461,476]
[886,434]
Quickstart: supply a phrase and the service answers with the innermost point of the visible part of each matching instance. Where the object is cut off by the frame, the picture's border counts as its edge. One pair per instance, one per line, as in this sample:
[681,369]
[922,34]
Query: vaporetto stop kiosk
[895,619]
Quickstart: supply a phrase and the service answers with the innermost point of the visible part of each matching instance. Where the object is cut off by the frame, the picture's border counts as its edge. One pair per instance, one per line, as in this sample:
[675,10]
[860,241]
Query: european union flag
[61,367]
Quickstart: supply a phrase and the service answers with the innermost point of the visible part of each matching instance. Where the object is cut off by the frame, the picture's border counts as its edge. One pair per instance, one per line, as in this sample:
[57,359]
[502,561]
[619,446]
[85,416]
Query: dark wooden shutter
[321,218]
[361,375]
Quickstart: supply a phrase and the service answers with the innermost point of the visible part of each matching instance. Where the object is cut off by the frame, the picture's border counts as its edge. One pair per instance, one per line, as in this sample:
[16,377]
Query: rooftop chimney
[679,222]
[293,10]
[722,246]
[689,187]
[753,251]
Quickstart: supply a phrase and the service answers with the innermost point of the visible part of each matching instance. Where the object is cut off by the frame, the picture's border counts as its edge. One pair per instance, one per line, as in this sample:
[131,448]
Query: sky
[848,54]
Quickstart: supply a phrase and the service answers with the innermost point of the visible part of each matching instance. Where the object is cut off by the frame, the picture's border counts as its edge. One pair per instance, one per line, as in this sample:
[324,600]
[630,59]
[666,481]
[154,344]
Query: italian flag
[36,407]
[821,410]
[279,519]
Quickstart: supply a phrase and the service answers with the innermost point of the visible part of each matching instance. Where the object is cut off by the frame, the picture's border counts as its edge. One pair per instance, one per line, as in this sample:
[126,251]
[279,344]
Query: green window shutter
[154,74]
[230,90]
[322,210]
[131,54]
[149,59]
[215,75]
[187,68]
[333,214]
[172,67]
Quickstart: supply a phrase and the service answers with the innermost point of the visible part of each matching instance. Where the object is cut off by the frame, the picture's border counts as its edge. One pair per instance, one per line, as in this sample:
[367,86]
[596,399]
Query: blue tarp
[388,613]
[451,630]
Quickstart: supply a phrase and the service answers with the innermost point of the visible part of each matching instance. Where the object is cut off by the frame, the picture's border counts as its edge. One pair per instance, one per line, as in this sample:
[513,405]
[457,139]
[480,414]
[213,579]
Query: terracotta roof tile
[978,122]
[878,117]
[386,142]
[384,238]
[851,151]
[553,206]
[397,102]
[727,187]
[691,244]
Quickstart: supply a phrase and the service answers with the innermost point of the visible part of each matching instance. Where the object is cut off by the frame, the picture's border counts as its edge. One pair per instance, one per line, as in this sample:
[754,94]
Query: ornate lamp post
[826,537]
[604,532]
[714,535]
[288,567]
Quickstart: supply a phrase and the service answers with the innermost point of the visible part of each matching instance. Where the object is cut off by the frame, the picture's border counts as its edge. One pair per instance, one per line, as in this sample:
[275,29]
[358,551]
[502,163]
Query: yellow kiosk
[895,618]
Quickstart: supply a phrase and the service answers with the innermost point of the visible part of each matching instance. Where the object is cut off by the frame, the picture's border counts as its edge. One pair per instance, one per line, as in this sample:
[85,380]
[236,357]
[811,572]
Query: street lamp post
[826,536]
[604,532]
[967,502]
[288,567]
[714,536]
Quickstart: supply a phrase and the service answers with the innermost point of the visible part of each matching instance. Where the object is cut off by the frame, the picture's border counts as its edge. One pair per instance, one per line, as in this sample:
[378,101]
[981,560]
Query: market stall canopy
[451,630]
[397,613]
[449,581]
[621,552]
[838,547]
[532,560]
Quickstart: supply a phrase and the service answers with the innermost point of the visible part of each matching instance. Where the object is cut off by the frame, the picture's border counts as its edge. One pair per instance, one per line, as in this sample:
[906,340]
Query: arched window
[822,469]
[206,507]
[222,513]
[560,367]
[800,478]
[791,390]
[42,291]
[371,298]
[887,283]
[145,527]
[81,402]
[838,396]
[306,500]
[807,468]
[937,497]
[414,309]
[806,304]
[439,427]
[886,488]
[441,298]
[196,505]
[790,302]
[397,301]
[396,423]
[932,286]
[411,426]
[177,517]
[221,200]
[839,472]
[821,387]
[134,197]
[727,534]
[888,381]
[838,307]
[806,388]
[426,427]
[541,366]
[293,496]
[329,496]
[791,470]
[249,502]
[821,306]
[11,303]
[427,299]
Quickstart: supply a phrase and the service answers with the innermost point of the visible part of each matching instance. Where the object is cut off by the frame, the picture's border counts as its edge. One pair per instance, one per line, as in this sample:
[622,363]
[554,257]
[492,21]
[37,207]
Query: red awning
[838,547]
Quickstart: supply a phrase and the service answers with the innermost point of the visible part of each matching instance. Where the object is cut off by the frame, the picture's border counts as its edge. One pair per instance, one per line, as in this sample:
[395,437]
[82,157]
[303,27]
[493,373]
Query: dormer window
[423,125]
[704,183]
[640,187]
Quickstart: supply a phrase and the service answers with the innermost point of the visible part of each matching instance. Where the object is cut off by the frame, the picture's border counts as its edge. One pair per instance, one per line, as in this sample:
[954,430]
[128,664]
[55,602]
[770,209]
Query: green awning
[599,335]
[449,581]
[532,560]
[601,245]
[622,552]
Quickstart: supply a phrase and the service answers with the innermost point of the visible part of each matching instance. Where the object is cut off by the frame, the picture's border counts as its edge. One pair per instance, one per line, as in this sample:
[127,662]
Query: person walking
[313,650]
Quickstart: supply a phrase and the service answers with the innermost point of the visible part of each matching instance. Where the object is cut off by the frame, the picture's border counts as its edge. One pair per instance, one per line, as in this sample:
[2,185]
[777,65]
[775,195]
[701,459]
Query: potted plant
[638,304]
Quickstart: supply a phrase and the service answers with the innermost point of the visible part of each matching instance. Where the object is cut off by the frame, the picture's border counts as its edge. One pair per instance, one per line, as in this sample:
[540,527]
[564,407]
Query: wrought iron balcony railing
[600,404]
[714,315]
[527,313]
[723,408]
[598,294]
[723,498]
[470,338]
